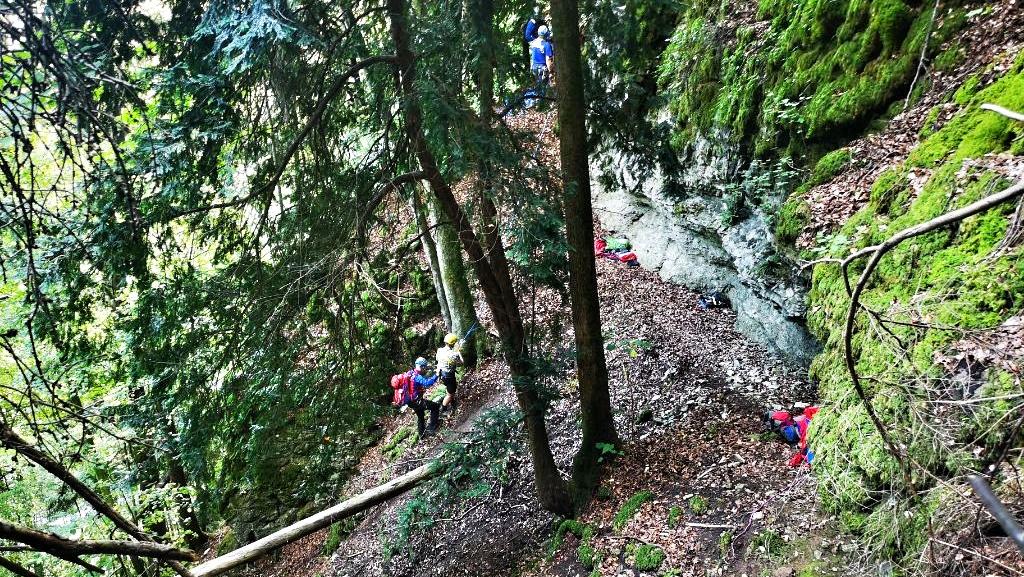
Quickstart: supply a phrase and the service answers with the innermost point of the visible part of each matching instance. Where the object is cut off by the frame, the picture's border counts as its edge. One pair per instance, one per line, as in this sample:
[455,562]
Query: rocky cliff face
[678,228]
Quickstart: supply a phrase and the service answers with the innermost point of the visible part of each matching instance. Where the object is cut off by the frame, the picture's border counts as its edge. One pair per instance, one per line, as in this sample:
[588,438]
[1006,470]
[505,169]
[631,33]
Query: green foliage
[725,543]
[608,451]
[769,542]
[470,469]
[630,508]
[675,516]
[645,557]
[604,493]
[698,505]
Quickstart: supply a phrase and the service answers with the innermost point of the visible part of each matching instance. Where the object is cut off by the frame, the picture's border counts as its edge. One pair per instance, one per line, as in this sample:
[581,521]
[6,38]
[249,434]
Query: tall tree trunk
[456,284]
[495,283]
[431,252]
[595,404]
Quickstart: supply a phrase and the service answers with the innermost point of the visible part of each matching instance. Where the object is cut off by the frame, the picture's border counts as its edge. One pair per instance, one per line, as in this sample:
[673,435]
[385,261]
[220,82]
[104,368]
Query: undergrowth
[470,469]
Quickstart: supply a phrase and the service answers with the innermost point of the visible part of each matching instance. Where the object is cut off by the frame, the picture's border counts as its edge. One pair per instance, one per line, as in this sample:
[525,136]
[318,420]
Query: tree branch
[15,568]
[64,548]
[10,439]
[313,121]
[1005,112]
[394,184]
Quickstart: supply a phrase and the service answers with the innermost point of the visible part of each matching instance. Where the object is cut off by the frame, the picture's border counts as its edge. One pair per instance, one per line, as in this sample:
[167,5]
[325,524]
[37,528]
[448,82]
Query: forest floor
[715,493]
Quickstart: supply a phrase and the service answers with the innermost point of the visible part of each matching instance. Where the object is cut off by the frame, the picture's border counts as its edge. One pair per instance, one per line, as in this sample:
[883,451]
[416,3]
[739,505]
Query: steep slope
[804,131]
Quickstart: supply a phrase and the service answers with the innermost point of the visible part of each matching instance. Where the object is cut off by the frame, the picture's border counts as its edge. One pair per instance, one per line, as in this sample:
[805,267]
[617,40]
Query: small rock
[784,572]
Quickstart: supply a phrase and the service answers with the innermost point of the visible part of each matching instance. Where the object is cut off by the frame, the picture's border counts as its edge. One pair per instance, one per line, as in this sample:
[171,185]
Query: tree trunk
[430,251]
[495,281]
[296,531]
[595,403]
[456,284]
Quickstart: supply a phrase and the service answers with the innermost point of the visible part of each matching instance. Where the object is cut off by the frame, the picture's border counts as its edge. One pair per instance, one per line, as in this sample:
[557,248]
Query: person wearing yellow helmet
[448,358]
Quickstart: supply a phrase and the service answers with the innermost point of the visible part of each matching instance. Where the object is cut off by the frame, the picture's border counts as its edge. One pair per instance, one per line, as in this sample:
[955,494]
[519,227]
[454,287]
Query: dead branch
[998,510]
[1005,112]
[346,508]
[62,547]
[924,53]
[394,184]
[15,568]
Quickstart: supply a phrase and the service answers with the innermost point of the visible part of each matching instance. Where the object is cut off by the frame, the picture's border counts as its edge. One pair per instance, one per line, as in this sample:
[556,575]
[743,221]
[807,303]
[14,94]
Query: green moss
[830,165]
[630,508]
[948,59]
[950,277]
[399,443]
[675,516]
[827,67]
[698,505]
[791,219]
[645,557]
[585,552]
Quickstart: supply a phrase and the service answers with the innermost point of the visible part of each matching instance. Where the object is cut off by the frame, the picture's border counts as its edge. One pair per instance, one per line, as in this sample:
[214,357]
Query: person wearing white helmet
[542,54]
[449,356]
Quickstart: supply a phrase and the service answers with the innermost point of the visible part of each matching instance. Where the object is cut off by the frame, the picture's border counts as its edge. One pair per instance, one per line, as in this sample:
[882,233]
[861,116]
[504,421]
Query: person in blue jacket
[542,54]
[535,22]
[421,404]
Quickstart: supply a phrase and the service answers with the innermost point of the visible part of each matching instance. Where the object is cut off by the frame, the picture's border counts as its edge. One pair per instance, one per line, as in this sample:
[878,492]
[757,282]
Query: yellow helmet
[451,339]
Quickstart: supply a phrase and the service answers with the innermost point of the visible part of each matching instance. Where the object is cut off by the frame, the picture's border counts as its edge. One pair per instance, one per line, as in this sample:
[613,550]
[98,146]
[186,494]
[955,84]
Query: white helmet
[543,31]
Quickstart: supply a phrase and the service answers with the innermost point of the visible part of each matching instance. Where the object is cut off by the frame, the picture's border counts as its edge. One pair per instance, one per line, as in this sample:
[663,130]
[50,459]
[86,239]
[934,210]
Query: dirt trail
[688,393]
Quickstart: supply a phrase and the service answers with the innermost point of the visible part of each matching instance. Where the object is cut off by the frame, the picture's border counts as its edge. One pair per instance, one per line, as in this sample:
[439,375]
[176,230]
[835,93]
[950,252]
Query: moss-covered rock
[816,72]
[947,278]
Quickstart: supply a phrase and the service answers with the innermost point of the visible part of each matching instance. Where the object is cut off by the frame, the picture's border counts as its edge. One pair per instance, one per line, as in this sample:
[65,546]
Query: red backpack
[405,389]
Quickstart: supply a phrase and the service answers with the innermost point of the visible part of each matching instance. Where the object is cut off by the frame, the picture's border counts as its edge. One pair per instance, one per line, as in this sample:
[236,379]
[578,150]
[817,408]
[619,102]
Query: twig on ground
[924,53]
[1004,111]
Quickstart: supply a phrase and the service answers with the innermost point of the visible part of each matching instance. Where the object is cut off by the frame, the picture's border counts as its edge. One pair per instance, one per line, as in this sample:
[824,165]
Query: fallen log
[296,531]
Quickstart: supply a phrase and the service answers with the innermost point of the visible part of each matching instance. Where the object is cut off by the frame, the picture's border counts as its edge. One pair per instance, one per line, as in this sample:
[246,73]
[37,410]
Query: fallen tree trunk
[296,531]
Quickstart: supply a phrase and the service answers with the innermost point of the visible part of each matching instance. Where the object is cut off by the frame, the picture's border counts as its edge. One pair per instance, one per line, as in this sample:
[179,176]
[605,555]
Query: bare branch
[998,510]
[9,438]
[15,568]
[877,252]
[394,184]
[1005,112]
[61,547]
